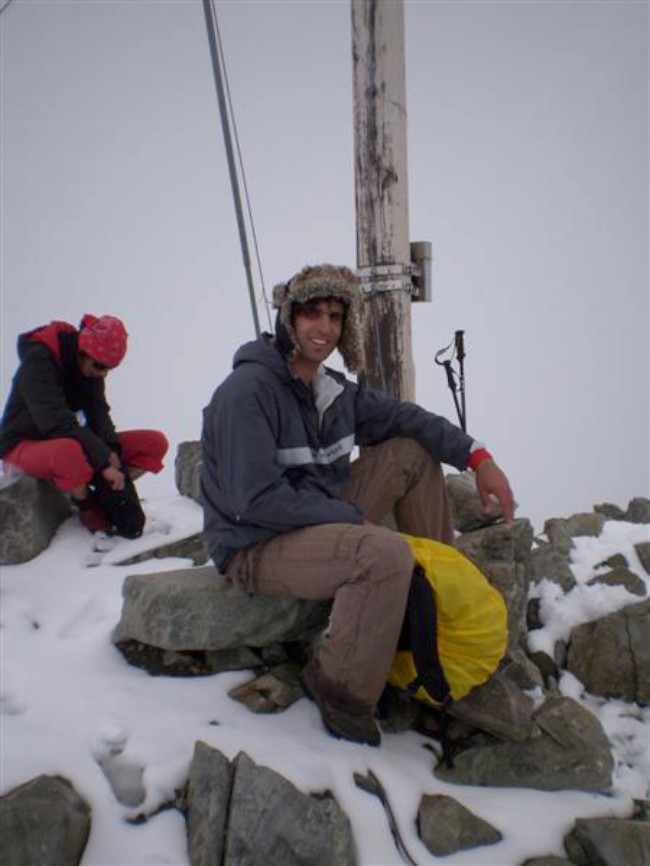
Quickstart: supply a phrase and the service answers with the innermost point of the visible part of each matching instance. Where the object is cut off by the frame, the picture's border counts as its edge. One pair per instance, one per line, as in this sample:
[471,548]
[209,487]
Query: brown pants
[365,569]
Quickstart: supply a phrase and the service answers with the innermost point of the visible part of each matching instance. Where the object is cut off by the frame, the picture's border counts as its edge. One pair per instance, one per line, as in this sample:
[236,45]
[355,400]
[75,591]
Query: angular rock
[271,692]
[549,563]
[466,506]
[609,842]
[621,577]
[207,801]
[498,707]
[501,553]
[199,609]
[562,530]
[611,655]
[192,663]
[31,511]
[193,547]
[638,510]
[43,822]
[610,511]
[547,861]
[446,826]
[642,550]
[271,823]
[187,468]
[521,670]
[569,749]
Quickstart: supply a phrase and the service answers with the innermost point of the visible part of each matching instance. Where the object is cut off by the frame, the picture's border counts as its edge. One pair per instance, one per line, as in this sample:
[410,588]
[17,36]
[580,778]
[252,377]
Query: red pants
[64,462]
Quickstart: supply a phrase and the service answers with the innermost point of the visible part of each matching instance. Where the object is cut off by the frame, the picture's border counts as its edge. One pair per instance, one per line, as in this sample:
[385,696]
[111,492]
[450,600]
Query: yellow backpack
[455,629]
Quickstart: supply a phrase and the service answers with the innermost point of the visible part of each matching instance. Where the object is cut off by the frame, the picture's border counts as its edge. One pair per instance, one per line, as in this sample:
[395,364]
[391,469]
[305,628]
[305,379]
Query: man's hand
[491,480]
[114,477]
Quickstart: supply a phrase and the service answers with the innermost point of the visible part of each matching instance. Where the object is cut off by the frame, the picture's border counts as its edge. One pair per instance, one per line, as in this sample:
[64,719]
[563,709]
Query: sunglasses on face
[96,365]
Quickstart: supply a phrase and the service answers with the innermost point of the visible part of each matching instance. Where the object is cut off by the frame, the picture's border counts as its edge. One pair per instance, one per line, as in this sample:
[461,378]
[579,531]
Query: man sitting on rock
[286,512]
[57,423]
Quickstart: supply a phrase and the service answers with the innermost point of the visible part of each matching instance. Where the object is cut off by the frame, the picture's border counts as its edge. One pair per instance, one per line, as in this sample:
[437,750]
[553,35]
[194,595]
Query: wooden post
[381,192]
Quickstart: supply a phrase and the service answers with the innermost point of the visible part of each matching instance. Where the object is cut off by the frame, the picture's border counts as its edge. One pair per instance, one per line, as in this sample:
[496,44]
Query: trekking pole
[458,349]
[372,785]
[460,354]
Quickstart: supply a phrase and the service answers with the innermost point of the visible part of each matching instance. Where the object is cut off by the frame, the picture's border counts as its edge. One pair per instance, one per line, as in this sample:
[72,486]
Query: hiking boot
[342,715]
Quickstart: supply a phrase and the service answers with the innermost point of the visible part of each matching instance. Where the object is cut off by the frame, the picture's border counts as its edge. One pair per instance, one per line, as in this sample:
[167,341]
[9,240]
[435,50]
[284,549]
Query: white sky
[68,698]
[528,170]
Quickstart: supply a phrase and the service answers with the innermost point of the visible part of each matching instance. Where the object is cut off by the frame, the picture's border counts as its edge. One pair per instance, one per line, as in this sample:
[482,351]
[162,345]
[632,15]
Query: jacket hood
[262,351]
[48,335]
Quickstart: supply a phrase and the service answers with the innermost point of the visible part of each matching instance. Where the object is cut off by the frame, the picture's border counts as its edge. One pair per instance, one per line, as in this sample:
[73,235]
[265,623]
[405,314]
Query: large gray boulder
[611,656]
[31,511]
[569,749]
[43,823]
[242,814]
[199,609]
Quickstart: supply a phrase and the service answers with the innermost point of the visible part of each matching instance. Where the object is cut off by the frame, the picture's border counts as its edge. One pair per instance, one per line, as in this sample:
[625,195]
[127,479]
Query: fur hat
[325,281]
[103,339]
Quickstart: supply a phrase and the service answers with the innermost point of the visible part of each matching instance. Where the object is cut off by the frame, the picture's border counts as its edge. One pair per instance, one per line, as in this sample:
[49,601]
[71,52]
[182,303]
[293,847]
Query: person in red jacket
[57,424]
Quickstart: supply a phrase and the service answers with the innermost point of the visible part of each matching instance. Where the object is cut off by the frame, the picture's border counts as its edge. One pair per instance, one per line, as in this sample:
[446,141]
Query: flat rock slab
[199,609]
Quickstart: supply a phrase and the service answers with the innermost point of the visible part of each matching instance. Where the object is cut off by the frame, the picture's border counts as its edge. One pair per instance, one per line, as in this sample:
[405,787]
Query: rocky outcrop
[31,511]
[611,656]
[568,749]
[241,814]
[44,822]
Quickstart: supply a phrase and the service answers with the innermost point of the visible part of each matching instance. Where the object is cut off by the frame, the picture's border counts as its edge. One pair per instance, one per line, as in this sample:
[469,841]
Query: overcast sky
[528,171]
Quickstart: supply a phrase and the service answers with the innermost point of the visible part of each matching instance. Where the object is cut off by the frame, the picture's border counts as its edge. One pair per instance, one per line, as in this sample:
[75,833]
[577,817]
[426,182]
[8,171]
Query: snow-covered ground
[70,702]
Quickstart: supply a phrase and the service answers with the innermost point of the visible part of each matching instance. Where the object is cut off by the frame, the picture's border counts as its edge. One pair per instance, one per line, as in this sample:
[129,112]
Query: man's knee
[385,553]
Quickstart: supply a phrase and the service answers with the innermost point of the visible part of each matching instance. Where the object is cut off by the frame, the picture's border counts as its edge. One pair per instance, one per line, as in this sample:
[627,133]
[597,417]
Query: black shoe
[340,715]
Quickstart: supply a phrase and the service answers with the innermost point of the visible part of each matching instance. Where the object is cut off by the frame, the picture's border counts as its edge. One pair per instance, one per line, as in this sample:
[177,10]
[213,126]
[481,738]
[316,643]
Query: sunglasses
[101,368]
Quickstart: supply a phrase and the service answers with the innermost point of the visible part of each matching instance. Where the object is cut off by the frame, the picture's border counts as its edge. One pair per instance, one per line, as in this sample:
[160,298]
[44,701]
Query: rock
[43,822]
[247,815]
[569,749]
[642,550]
[561,531]
[192,663]
[271,692]
[610,511]
[31,511]
[617,560]
[611,656]
[621,577]
[638,510]
[446,826]
[466,506]
[549,563]
[207,800]
[498,707]
[199,609]
[193,547]
[188,470]
[547,861]
[501,553]
[609,842]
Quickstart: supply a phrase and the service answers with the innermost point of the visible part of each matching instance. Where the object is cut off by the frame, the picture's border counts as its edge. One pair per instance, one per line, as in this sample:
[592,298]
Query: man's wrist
[478,453]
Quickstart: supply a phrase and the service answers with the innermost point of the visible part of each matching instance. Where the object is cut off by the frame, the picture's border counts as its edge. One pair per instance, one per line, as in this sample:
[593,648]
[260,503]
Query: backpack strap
[420,636]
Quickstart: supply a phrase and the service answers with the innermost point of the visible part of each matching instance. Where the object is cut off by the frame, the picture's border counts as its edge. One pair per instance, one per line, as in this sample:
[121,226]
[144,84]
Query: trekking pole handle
[460,345]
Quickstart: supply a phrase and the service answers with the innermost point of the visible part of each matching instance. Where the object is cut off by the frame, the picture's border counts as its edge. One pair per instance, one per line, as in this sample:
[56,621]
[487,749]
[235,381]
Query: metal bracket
[388,278]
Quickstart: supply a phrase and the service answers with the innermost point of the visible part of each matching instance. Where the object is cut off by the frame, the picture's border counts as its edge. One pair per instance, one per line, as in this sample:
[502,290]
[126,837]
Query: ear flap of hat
[326,281]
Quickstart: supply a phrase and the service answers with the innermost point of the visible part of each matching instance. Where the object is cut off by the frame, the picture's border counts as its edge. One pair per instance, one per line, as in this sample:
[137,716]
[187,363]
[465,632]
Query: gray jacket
[276,453]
